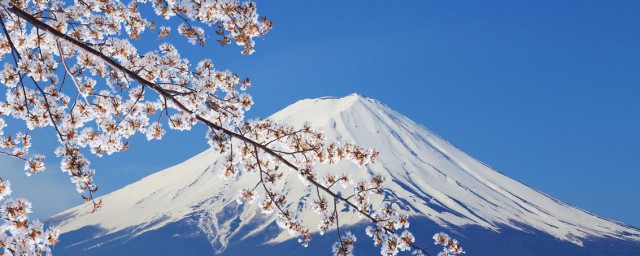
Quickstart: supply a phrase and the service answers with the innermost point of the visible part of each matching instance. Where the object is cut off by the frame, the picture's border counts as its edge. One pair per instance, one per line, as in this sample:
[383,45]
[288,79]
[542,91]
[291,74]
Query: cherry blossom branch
[168,94]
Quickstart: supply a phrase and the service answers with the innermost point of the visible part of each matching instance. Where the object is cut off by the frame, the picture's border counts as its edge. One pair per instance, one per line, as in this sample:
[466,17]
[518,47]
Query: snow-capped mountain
[190,209]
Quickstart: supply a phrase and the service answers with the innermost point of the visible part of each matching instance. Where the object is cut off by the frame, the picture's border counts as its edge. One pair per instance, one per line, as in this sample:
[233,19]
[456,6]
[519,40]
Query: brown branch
[13,155]
[335,212]
[267,191]
[66,68]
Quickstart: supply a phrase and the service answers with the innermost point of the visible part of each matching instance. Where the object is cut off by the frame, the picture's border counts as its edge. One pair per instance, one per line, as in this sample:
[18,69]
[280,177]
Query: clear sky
[547,92]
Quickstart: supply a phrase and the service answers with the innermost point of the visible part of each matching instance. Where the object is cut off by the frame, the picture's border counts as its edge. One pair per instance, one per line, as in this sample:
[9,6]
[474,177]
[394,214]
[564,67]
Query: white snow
[439,181]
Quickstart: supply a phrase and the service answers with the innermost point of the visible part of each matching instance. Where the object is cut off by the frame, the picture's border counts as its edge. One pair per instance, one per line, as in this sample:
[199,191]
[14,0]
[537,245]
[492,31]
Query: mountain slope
[441,186]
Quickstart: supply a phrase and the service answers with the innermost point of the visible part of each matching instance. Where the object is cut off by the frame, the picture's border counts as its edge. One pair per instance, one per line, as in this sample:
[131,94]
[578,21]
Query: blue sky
[547,92]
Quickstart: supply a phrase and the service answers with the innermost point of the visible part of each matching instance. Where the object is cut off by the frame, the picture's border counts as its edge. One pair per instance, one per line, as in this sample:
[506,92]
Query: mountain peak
[354,95]
[349,99]
[322,108]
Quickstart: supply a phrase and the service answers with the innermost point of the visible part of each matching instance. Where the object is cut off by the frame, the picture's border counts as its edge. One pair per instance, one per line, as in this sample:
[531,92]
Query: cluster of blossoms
[105,105]
[17,146]
[18,235]
[73,67]
[388,221]
[451,246]
[345,245]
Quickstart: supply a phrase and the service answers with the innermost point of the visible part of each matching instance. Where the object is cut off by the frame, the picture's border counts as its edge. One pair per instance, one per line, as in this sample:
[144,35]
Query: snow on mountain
[432,177]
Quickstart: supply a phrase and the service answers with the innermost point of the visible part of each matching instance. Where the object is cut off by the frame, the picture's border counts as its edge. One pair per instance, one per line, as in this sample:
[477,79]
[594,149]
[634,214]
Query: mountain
[190,209]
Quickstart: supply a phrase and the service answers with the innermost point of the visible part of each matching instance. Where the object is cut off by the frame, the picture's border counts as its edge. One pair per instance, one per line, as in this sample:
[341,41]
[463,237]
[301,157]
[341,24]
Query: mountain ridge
[435,179]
